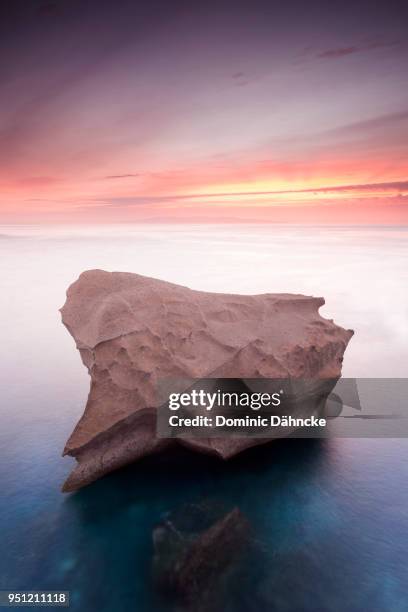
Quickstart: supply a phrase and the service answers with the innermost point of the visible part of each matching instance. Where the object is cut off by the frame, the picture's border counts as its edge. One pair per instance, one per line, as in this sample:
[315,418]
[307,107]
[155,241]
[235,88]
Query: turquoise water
[331,515]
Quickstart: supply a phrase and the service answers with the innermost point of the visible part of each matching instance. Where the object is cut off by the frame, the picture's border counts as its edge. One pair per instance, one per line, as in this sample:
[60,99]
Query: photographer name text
[245,422]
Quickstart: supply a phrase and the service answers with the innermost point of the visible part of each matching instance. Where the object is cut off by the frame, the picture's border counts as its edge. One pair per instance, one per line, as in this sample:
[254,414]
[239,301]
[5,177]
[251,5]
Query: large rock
[133,331]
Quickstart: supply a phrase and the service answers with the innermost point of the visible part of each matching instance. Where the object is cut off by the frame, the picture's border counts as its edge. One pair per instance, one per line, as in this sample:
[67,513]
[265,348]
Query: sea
[330,516]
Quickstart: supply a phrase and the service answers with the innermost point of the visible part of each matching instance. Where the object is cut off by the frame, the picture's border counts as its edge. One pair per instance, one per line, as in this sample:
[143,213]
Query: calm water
[331,515]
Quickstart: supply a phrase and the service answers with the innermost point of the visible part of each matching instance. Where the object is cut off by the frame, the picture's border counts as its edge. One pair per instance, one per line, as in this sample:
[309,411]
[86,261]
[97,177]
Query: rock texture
[132,331]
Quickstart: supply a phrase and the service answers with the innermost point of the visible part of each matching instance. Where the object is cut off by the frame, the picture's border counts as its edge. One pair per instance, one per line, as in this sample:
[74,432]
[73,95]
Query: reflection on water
[330,514]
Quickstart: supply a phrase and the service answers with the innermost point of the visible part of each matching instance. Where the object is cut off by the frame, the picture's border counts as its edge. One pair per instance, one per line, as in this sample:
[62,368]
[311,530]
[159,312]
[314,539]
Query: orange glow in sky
[183,118]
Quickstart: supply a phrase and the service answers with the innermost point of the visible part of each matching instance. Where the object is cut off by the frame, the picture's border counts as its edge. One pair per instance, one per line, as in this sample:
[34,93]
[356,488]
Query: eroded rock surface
[132,331]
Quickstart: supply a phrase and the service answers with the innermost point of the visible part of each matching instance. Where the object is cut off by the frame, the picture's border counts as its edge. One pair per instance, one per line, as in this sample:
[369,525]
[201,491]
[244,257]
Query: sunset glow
[193,114]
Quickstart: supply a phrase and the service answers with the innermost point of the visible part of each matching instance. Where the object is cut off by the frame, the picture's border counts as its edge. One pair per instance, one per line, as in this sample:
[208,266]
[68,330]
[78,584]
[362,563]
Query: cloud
[239,79]
[380,187]
[338,52]
[38,181]
[389,188]
[382,121]
[120,176]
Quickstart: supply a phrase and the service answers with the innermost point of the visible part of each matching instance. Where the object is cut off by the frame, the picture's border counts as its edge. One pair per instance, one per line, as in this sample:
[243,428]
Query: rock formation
[193,568]
[133,331]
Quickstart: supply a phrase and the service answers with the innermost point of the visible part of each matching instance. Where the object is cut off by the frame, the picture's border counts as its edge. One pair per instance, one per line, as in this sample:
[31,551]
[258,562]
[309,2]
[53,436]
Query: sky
[258,111]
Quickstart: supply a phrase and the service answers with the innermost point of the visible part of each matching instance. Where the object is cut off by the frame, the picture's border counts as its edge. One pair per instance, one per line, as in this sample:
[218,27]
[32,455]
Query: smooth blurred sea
[332,515]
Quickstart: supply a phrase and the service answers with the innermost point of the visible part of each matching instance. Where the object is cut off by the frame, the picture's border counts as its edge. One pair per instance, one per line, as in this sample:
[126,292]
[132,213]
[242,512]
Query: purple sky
[124,111]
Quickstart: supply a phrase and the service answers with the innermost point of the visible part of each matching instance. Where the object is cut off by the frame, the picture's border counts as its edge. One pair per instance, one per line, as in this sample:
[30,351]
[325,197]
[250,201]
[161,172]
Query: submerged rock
[195,568]
[133,331]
